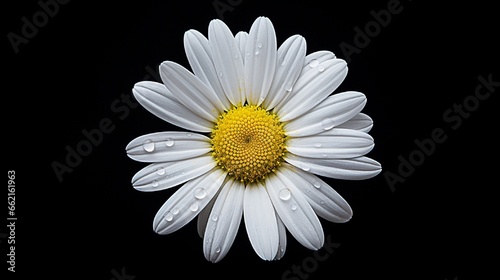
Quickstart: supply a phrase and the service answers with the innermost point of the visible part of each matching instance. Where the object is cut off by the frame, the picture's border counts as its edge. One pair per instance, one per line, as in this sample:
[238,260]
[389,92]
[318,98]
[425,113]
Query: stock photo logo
[261,125]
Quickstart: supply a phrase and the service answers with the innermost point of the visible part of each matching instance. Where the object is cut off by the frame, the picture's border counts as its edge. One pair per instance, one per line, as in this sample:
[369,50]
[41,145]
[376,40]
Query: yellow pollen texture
[248,142]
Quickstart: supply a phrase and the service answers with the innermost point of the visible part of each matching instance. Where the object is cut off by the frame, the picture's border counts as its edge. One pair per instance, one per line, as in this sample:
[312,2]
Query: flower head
[261,125]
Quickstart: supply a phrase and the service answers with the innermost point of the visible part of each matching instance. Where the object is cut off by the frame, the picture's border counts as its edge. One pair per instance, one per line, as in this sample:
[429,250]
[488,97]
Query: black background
[78,67]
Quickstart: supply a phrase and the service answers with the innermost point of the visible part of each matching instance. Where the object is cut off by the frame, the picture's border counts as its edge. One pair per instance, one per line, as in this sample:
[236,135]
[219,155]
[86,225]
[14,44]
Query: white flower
[265,123]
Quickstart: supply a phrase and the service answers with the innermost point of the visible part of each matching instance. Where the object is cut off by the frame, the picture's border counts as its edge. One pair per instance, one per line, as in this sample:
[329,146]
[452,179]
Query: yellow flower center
[248,142]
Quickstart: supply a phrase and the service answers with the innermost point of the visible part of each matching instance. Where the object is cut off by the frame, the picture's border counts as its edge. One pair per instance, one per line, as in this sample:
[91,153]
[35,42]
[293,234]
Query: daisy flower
[261,125]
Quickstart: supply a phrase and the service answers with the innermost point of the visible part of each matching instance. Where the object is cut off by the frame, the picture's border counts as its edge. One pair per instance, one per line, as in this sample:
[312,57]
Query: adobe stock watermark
[93,137]
[122,275]
[453,118]
[32,25]
[310,265]
[222,6]
[364,35]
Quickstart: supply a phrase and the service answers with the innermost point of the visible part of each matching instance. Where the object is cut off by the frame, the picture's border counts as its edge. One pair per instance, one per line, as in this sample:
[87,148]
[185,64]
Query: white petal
[241,40]
[187,202]
[224,221]
[348,169]
[291,55]
[361,122]
[168,146]
[334,111]
[325,201]
[164,175]
[158,100]
[310,62]
[260,221]
[204,215]
[334,143]
[200,58]
[295,212]
[312,87]
[260,60]
[190,91]
[282,242]
[228,61]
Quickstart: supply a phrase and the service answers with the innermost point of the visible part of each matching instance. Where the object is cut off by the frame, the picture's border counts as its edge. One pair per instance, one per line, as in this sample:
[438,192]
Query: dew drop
[148,145]
[288,87]
[317,184]
[189,134]
[285,194]
[217,250]
[215,218]
[194,207]
[305,167]
[313,63]
[257,52]
[169,217]
[160,171]
[259,45]
[169,142]
[318,145]
[322,202]
[327,123]
[293,206]
[236,56]
[154,184]
[175,211]
[200,193]
[221,74]
[321,68]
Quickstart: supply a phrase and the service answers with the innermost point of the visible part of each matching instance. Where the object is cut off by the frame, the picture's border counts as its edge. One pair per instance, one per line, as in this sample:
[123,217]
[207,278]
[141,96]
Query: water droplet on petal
[285,194]
[327,123]
[215,218]
[321,68]
[169,142]
[148,145]
[217,250]
[318,145]
[221,74]
[259,45]
[313,63]
[293,206]
[317,184]
[154,184]
[236,56]
[175,211]
[160,171]
[189,134]
[169,217]
[288,87]
[305,167]
[200,193]
[257,52]
[194,207]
